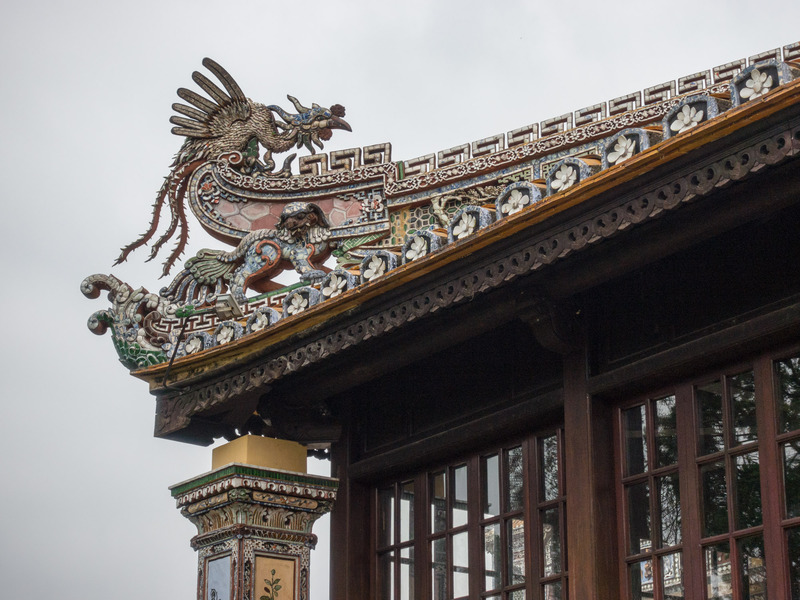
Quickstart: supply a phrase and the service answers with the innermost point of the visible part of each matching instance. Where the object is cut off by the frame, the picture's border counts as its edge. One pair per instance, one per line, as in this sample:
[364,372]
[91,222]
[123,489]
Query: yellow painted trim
[267,453]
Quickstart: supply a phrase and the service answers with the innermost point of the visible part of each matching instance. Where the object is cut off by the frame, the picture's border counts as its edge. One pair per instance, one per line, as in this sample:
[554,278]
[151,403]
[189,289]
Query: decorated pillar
[254,513]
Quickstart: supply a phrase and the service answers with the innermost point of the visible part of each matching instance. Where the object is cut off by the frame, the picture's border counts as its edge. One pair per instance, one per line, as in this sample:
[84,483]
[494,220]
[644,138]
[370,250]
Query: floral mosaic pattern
[335,286]
[465,226]
[375,268]
[686,118]
[624,149]
[417,249]
[515,202]
[296,304]
[564,178]
[757,85]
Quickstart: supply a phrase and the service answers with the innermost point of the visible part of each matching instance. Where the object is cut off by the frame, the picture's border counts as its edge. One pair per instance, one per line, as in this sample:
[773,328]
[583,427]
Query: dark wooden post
[591,511]
[350,527]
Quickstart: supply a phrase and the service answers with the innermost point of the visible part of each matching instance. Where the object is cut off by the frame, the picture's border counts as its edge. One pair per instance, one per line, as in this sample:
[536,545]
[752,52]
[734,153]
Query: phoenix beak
[336,123]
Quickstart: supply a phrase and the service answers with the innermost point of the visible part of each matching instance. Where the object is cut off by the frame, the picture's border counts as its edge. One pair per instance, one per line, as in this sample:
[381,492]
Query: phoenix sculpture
[229,122]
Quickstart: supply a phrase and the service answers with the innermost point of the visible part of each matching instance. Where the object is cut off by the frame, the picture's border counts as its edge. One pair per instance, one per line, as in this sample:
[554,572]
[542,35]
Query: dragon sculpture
[229,122]
[301,239]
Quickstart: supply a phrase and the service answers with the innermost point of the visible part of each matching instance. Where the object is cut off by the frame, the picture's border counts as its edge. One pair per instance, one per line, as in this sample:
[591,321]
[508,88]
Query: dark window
[731,442]
[488,527]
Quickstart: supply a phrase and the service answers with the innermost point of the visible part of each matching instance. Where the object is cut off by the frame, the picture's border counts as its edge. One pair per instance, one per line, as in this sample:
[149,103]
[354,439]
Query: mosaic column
[254,513]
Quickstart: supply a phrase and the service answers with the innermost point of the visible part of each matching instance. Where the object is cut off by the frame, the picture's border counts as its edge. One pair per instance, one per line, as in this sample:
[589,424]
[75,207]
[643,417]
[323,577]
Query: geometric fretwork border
[174,411]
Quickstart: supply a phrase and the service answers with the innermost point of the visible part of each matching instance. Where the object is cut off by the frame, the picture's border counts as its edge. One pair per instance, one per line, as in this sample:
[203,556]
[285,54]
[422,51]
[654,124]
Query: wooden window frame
[775,524]
[532,508]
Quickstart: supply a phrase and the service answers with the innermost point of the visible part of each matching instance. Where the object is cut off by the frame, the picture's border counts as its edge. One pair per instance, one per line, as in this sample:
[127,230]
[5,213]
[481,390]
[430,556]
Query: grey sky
[87,88]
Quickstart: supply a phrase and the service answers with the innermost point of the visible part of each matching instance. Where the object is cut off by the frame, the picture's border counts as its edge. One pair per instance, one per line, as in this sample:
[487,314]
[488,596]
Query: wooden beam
[758,332]
[499,425]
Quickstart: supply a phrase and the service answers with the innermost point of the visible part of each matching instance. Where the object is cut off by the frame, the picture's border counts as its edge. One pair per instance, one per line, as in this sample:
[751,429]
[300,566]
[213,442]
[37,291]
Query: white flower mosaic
[225,335]
[515,202]
[375,268]
[466,226]
[336,285]
[259,322]
[297,305]
[758,85]
[193,345]
[623,150]
[417,249]
[686,118]
[564,178]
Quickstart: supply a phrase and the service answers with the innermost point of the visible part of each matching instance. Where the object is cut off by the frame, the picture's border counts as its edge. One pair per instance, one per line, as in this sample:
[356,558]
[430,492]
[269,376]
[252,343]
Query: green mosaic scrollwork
[133,356]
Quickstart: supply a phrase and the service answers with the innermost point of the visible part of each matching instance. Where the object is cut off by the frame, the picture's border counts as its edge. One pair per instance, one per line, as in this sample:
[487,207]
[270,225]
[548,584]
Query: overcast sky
[87,87]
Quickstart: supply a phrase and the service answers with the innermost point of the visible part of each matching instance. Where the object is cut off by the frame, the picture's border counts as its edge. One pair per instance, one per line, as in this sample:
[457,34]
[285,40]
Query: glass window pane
[514,479]
[666,432]
[715,499]
[709,407]
[794,562]
[748,491]
[788,372]
[515,538]
[669,500]
[490,474]
[460,565]
[552,591]
[641,577]
[672,576]
[718,572]
[438,502]
[753,570]
[407,511]
[386,516]
[439,569]
[460,496]
[551,541]
[791,478]
[639,517]
[549,468]
[492,557]
[407,573]
[743,399]
[635,423]
[517,595]
[386,567]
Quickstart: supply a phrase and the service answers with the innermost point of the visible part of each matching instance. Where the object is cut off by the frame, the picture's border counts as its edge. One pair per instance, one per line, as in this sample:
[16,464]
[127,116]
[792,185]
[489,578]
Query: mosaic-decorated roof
[377,218]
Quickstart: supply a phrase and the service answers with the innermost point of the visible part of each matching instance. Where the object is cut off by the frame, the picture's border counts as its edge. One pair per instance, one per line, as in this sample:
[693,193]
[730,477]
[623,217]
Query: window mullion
[771,470]
[693,577]
[422,558]
[474,501]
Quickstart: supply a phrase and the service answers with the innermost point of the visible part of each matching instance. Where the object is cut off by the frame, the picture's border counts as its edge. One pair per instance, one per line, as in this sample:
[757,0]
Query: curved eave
[206,365]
